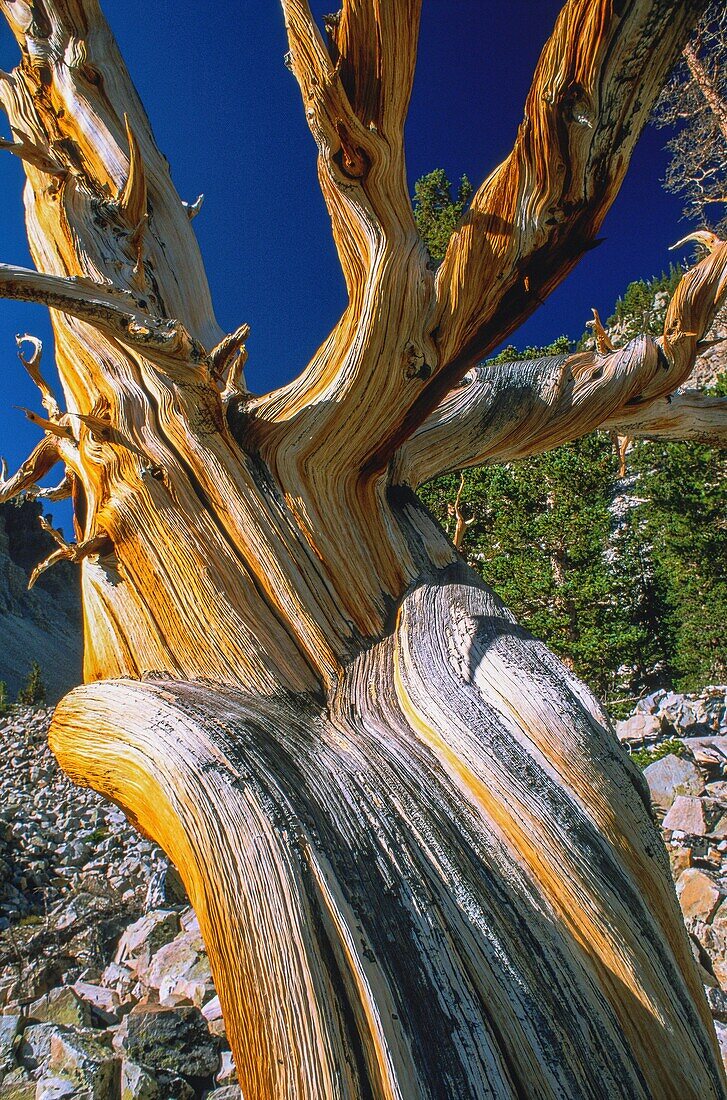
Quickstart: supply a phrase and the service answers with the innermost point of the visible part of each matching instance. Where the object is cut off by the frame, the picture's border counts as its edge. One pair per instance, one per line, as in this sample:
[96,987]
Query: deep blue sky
[227,113]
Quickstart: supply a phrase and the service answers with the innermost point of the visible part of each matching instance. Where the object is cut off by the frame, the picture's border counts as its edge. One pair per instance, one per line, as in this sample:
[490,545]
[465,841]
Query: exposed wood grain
[504,411]
[690,414]
[524,939]
[423,865]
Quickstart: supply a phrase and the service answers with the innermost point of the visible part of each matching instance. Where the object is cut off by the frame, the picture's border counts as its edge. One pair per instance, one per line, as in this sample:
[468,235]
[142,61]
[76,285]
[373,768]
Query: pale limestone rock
[638,728]
[693,816]
[212,1010]
[178,991]
[672,776]
[227,1074]
[104,1003]
[184,959]
[145,936]
[58,1088]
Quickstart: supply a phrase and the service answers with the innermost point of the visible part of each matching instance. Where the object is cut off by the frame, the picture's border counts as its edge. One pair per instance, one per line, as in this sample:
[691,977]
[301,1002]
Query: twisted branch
[42,458]
[505,411]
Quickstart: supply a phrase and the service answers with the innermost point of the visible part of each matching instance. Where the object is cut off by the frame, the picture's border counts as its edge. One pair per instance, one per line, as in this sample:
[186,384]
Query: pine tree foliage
[33,693]
[437,211]
[642,307]
[683,521]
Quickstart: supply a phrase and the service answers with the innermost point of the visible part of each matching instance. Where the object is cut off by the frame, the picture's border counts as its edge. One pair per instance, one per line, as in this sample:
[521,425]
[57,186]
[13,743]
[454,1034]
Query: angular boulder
[175,1039]
[145,936]
[637,729]
[17,1085]
[34,1048]
[672,776]
[102,1003]
[139,1083]
[699,897]
[86,1059]
[693,816]
[57,1088]
[61,1005]
[10,1028]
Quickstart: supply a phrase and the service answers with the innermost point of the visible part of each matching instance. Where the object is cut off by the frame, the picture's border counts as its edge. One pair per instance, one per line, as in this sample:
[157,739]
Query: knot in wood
[416,364]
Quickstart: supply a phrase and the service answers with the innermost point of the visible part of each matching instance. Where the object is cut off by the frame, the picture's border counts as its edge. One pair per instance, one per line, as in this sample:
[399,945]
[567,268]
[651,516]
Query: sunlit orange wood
[423,866]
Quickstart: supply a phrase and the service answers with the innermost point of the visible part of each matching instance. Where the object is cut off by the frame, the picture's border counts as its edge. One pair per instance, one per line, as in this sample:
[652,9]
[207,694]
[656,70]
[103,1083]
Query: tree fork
[423,865]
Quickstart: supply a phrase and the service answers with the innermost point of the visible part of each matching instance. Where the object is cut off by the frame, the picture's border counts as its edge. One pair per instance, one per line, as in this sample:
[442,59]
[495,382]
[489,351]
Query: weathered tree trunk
[422,863]
[443,883]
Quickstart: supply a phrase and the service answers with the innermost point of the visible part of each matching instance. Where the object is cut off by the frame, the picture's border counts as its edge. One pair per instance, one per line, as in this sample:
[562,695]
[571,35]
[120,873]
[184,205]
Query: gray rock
[672,776]
[137,1083]
[104,1004]
[717,1001]
[34,1048]
[61,1006]
[182,960]
[710,751]
[58,1088]
[175,1087]
[227,1073]
[230,1092]
[638,728]
[172,1039]
[10,1028]
[650,703]
[145,936]
[17,1085]
[717,788]
[721,1031]
[88,1061]
[212,1010]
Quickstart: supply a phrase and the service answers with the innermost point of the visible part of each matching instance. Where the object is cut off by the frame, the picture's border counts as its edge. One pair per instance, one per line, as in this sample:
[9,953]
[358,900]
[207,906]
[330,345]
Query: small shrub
[30,921]
[4,702]
[33,693]
[644,757]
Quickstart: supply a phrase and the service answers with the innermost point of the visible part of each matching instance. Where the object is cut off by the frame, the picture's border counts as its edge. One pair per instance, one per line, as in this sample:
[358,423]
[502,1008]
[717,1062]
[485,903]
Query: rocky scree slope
[105,988]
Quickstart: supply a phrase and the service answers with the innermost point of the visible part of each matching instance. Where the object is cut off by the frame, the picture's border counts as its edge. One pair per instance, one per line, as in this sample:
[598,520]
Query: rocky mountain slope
[105,988]
[42,625]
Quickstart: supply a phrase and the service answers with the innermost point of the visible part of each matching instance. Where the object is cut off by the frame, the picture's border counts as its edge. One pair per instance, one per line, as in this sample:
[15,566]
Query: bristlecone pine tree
[422,864]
